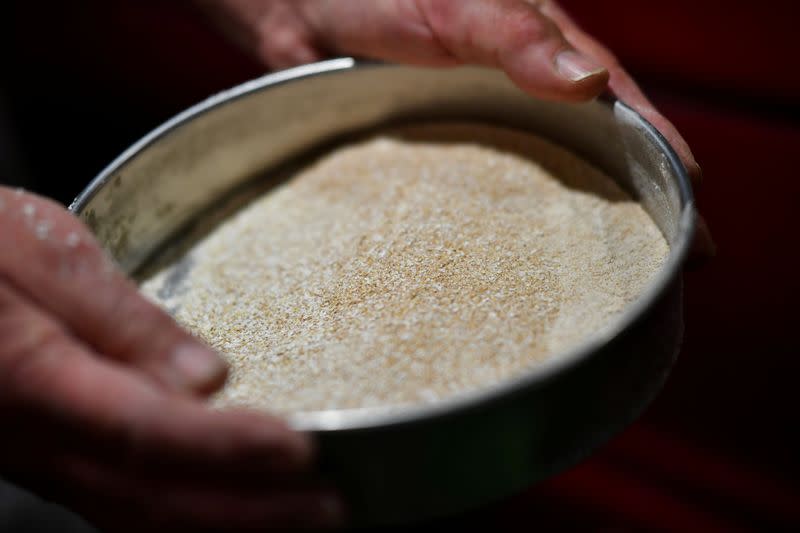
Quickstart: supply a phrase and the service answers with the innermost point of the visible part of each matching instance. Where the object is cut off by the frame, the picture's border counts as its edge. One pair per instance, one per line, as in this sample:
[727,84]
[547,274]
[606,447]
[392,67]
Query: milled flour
[410,267]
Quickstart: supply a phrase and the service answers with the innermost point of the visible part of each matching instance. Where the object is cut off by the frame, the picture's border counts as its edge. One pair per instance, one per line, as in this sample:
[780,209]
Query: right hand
[535,42]
[102,398]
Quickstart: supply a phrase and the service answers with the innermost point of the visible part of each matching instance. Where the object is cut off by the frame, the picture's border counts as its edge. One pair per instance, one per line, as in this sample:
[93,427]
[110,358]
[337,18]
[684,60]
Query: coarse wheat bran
[410,267]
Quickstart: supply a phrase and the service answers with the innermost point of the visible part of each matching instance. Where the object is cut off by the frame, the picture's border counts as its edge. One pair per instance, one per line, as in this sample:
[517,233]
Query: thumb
[623,85]
[60,266]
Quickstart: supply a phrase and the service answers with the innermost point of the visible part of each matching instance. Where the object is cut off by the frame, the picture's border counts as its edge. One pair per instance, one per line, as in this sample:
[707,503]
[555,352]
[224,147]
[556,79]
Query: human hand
[534,41]
[102,398]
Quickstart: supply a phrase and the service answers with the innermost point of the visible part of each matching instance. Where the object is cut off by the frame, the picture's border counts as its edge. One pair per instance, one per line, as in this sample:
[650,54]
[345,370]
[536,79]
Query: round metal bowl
[434,459]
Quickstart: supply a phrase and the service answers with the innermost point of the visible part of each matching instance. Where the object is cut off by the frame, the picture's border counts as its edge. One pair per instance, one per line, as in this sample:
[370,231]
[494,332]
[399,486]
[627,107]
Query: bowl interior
[147,199]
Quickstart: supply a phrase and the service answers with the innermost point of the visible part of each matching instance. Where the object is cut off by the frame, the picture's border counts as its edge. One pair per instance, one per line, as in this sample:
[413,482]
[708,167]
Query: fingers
[507,34]
[622,84]
[170,505]
[57,262]
[273,32]
[519,39]
[90,427]
[97,404]
[288,41]
[387,30]
[626,89]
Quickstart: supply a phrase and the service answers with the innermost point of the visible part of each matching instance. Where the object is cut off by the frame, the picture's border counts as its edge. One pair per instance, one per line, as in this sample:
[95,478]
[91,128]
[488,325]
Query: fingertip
[695,172]
[302,450]
[284,448]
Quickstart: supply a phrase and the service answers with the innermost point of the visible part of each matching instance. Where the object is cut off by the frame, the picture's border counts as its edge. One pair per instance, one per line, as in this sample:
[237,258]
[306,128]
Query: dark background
[719,448]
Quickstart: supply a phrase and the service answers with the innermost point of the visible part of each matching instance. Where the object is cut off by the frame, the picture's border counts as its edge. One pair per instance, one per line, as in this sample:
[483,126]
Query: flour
[411,267]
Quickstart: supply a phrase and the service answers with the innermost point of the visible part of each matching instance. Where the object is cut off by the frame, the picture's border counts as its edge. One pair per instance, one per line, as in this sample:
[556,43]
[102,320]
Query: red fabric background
[718,449]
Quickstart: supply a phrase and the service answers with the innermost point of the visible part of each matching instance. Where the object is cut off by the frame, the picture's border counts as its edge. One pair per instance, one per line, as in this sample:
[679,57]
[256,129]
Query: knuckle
[21,329]
[488,31]
[135,324]
[47,237]
[29,355]
[437,10]
[526,27]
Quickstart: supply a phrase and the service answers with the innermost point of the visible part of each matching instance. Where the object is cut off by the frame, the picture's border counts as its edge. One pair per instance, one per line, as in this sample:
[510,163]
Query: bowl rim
[366,419]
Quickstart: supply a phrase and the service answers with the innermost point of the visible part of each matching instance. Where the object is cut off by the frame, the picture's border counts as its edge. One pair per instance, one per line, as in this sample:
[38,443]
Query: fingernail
[576,67]
[197,366]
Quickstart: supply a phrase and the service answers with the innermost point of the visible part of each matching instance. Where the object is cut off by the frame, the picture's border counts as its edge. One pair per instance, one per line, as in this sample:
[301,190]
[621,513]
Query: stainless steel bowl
[427,460]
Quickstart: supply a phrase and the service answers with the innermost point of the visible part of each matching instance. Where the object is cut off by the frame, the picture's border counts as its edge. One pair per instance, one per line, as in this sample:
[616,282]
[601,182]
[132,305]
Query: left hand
[103,399]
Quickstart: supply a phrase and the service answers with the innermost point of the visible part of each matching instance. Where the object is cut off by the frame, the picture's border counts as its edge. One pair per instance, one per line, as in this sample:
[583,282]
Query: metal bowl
[434,459]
